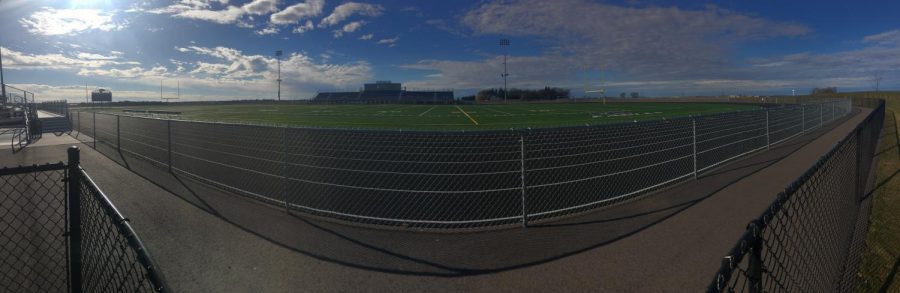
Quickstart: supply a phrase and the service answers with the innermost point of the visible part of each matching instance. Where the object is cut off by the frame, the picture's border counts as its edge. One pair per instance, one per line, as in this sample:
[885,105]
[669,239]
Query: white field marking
[391,110]
[426,111]
[501,112]
[467,115]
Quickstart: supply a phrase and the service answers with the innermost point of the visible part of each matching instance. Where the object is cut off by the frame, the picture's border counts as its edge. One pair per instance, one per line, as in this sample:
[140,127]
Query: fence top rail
[33,168]
[460,131]
[756,226]
[153,274]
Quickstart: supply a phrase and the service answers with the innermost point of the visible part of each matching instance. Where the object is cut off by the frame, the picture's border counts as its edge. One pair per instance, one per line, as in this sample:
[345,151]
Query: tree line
[547,93]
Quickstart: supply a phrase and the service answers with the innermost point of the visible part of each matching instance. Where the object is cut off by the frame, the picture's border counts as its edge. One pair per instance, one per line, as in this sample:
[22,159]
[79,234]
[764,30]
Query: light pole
[278,57]
[504,43]
[2,83]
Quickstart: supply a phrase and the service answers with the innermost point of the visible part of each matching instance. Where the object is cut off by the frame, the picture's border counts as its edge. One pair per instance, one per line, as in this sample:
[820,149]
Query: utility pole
[86,100]
[504,43]
[2,83]
[278,56]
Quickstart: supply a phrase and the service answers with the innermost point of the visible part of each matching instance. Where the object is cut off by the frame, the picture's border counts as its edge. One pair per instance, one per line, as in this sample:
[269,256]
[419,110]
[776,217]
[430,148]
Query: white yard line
[501,112]
[426,111]
[467,115]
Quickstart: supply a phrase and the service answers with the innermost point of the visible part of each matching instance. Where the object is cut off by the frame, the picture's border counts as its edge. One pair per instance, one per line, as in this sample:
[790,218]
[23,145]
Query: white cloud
[50,21]
[92,56]
[344,11]
[637,43]
[367,37]
[267,31]
[261,7]
[889,37]
[303,28]
[390,42]
[17,60]
[298,70]
[231,14]
[297,12]
[348,28]
[205,10]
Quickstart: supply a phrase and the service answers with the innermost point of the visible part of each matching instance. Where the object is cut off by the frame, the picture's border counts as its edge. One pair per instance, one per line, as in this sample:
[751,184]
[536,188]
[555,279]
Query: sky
[224,49]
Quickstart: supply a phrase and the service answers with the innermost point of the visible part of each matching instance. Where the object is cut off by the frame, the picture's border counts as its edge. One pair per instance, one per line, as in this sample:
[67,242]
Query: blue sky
[222,49]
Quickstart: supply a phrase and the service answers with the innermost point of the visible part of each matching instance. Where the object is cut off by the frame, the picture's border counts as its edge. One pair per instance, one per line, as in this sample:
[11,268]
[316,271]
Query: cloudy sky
[223,49]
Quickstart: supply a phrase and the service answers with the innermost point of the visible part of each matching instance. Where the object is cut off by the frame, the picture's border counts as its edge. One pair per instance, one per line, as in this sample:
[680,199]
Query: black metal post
[754,268]
[284,168]
[118,135]
[73,201]
[94,131]
[522,179]
[169,139]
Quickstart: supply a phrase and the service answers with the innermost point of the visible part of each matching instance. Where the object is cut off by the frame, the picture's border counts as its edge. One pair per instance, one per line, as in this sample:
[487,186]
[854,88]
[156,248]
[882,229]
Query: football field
[438,117]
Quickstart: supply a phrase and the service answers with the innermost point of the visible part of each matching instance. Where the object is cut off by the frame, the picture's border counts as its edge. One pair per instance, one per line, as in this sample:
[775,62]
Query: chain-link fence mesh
[113,258]
[811,237]
[452,179]
[33,255]
[60,107]
[60,233]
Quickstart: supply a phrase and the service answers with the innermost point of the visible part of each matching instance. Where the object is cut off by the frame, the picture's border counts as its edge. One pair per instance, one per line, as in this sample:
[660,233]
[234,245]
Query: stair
[55,125]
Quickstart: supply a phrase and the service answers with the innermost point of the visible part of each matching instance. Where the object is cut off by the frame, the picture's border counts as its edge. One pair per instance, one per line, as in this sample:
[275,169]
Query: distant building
[101,95]
[382,86]
[386,92]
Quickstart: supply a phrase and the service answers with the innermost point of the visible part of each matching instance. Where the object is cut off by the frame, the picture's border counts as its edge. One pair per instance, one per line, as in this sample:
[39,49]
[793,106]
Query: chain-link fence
[60,233]
[810,239]
[60,107]
[33,246]
[451,179]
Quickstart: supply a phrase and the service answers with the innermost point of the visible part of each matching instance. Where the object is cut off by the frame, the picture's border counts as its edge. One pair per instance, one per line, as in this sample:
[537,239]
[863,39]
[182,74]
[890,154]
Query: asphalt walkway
[208,240]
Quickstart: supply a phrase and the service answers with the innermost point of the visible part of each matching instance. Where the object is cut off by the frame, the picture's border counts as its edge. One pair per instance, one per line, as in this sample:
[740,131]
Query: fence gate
[60,233]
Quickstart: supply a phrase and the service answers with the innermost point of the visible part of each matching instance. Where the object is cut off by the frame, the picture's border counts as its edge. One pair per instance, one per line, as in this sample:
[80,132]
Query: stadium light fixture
[278,57]
[504,43]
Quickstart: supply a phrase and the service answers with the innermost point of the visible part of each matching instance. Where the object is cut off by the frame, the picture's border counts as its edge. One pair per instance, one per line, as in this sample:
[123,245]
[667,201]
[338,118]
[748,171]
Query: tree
[635,95]
[623,95]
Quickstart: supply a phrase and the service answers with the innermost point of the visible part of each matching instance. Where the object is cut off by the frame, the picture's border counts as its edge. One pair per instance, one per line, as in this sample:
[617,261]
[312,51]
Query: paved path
[207,240]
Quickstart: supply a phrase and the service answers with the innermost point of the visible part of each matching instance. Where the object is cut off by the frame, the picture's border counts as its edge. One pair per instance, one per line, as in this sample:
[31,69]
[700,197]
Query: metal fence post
[754,267]
[118,134]
[169,140]
[802,118]
[94,131]
[821,114]
[768,142]
[522,178]
[694,135]
[284,167]
[73,204]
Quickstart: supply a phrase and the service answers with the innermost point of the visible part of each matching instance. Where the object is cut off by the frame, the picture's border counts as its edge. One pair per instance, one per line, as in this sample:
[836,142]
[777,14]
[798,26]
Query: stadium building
[382,92]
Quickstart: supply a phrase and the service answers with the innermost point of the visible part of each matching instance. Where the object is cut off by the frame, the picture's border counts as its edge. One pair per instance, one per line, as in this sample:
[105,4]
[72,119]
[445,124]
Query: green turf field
[445,117]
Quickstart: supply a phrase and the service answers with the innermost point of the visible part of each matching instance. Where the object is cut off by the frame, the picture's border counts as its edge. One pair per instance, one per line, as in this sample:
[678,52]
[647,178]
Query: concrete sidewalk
[208,240]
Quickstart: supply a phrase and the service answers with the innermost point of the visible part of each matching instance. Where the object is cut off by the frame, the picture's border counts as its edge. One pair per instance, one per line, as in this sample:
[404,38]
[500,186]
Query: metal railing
[60,107]
[811,237]
[59,232]
[450,179]
[22,101]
